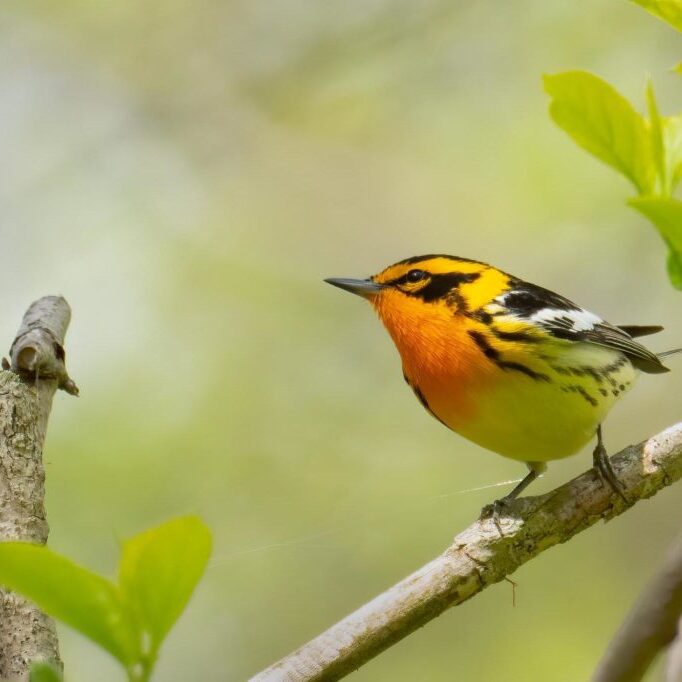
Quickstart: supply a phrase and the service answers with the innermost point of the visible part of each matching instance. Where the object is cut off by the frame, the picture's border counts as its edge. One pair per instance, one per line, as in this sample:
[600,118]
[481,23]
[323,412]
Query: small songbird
[509,365]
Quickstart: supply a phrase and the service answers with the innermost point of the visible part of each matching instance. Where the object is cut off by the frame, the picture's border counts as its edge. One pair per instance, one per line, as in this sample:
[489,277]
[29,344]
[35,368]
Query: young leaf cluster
[158,571]
[647,150]
[668,10]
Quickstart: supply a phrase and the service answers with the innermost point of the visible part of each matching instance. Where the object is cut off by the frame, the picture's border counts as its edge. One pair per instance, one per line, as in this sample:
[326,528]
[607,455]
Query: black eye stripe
[439,286]
[405,279]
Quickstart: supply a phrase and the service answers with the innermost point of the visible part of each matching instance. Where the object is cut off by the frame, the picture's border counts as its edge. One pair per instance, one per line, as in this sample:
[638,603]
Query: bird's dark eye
[416,276]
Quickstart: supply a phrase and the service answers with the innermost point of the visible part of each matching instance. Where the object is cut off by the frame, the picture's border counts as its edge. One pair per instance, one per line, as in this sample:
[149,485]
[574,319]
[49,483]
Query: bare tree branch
[481,556]
[26,392]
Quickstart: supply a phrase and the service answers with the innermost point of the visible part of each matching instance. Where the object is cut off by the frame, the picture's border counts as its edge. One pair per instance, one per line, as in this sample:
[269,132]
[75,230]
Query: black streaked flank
[573,388]
[586,370]
[592,372]
[587,396]
[524,337]
[493,354]
[518,367]
[599,374]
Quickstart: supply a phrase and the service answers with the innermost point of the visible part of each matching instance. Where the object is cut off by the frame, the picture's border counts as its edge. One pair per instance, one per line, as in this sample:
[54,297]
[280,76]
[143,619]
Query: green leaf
[666,145]
[657,138]
[668,10]
[666,215]
[45,672]
[159,570]
[72,594]
[675,269]
[672,136]
[674,264]
[604,123]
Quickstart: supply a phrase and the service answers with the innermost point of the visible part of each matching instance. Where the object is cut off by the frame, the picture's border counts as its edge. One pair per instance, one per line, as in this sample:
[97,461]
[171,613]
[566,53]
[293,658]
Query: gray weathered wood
[480,556]
[26,392]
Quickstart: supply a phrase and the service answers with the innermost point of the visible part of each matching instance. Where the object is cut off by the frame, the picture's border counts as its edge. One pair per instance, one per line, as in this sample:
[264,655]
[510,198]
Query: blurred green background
[186,173]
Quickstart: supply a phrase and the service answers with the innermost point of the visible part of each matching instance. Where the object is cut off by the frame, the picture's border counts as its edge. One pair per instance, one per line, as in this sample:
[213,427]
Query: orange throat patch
[438,356]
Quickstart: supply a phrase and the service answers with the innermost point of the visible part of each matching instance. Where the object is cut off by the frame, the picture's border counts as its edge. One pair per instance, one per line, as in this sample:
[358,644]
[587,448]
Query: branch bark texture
[480,556]
[26,392]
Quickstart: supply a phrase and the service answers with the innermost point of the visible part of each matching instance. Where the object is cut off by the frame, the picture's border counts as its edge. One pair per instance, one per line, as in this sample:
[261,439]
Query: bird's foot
[602,465]
[494,510]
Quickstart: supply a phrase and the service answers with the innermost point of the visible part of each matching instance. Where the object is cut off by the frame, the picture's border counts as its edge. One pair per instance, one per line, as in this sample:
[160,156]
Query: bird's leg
[602,464]
[494,509]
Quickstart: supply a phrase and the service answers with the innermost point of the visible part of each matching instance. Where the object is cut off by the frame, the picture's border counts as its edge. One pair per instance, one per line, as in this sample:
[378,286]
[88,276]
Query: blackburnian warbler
[509,365]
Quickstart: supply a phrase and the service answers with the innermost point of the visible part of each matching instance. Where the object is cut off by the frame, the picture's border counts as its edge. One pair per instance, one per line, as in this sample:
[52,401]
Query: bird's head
[433,280]
[428,305]
[418,297]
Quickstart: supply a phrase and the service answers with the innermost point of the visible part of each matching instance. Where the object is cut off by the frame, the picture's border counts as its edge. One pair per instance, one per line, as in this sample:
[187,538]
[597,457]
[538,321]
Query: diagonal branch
[480,556]
[26,392]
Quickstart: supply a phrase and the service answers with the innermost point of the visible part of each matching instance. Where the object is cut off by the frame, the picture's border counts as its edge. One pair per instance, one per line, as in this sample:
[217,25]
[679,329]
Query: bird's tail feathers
[666,353]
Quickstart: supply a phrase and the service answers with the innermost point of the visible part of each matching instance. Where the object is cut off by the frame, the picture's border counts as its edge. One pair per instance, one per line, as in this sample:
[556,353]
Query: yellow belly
[527,418]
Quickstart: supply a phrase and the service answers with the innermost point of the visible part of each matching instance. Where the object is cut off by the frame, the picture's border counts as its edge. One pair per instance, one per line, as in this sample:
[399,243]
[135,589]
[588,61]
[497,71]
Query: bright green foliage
[603,122]
[675,269]
[666,142]
[672,134]
[666,214]
[647,151]
[656,125]
[668,10]
[159,570]
[44,672]
[84,600]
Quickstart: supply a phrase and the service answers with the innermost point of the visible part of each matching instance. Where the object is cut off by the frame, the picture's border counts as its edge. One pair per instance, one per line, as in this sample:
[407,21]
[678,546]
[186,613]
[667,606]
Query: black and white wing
[563,319]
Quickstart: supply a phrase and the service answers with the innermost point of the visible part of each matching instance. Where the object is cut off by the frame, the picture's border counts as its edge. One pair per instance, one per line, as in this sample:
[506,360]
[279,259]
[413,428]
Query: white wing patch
[573,320]
[566,321]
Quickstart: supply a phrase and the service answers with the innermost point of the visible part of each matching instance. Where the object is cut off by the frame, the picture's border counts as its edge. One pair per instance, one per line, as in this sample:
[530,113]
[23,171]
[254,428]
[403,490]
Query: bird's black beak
[362,287]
